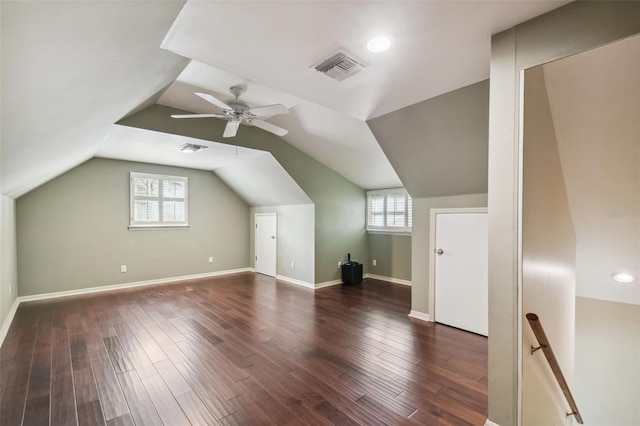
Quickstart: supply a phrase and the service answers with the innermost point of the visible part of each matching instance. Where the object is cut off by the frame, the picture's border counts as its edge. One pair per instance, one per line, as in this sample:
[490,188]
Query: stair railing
[538,331]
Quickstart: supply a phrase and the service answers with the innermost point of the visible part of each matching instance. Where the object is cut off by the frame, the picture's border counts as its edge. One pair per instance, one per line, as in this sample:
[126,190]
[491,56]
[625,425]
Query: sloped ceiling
[72,69]
[69,71]
[337,140]
[595,103]
[439,146]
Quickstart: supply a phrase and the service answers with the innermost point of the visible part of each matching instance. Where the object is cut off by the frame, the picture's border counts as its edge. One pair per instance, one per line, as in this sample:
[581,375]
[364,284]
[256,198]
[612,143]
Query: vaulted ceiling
[594,99]
[70,70]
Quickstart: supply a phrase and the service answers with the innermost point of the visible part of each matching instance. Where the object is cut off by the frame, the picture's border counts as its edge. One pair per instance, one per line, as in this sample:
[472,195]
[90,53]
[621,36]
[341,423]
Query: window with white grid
[158,201]
[389,210]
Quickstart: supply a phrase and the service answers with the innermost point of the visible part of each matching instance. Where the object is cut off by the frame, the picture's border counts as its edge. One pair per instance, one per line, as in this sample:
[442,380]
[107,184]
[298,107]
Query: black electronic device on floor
[351,272]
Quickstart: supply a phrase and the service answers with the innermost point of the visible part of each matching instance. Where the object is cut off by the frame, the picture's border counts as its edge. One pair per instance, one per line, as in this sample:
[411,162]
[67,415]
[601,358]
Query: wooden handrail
[536,326]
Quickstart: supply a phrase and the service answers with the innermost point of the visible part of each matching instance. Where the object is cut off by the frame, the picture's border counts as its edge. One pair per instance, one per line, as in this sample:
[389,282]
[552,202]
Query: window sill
[156,227]
[381,232]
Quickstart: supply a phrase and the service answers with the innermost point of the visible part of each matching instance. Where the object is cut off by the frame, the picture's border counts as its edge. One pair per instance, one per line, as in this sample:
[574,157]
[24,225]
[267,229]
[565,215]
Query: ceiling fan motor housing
[238,105]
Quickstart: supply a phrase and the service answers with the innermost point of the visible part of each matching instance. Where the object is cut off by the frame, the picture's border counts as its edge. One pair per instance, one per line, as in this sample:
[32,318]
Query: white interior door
[266,244]
[461,270]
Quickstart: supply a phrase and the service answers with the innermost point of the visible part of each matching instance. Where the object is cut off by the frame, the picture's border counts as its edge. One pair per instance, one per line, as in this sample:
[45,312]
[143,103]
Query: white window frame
[161,223]
[385,228]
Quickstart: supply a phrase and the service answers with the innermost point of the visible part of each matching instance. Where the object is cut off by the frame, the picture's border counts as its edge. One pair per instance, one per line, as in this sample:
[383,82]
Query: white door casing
[458,281]
[266,243]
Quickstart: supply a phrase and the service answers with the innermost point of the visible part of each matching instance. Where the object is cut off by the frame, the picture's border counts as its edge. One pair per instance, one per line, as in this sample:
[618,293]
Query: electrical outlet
[10,289]
[339,265]
[293,264]
[374,262]
[210,259]
[123,268]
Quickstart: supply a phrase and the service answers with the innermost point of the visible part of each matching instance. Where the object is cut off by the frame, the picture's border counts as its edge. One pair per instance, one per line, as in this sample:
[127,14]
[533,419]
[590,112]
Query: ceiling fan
[240,112]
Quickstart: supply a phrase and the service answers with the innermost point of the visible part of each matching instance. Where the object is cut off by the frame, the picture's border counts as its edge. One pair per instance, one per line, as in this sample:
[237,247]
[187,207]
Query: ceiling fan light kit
[239,112]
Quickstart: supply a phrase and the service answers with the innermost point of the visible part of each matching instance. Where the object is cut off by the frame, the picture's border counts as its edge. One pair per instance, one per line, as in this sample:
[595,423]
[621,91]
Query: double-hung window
[158,201]
[389,210]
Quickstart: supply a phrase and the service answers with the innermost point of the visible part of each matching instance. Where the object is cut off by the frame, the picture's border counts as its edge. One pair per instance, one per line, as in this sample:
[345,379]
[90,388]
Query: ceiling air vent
[340,65]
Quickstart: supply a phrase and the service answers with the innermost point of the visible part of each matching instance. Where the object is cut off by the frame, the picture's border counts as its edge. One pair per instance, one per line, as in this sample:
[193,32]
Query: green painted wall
[72,232]
[439,147]
[8,262]
[392,254]
[339,203]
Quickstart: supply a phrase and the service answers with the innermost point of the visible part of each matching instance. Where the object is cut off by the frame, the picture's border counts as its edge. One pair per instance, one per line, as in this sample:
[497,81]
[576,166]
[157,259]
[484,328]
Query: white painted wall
[607,381]
[8,260]
[571,29]
[548,260]
[420,237]
[595,103]
[262,181]
[296,240]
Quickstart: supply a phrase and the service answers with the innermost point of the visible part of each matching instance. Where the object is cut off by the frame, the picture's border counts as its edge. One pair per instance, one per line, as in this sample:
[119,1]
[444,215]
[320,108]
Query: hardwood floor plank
[384,411]
[225,383]
[149,345]
[334,415]
[272,407]
[208,392]
[142,364]
[163,341]
[166,405]
[248,408]
[142,410]
[119,357]
[63,398]
[242,349]
[15,373]
[111,397]
[126,337]
[125,420]
[294,395]
[172,377]
[37,406]
[234,419]
[195,409]
[202,351]
[90,413]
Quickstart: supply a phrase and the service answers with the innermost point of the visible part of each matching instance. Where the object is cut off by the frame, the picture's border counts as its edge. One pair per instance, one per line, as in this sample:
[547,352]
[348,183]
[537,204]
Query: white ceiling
[436,47]
[133,144]
[595,104]
[72,69]
[69,71]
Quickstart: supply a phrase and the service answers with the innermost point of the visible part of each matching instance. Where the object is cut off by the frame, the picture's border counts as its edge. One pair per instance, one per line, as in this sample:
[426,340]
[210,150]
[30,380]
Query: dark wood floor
[240,349]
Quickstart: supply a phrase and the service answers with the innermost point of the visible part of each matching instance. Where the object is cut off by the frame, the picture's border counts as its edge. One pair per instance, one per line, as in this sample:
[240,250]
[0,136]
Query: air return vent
[340,65]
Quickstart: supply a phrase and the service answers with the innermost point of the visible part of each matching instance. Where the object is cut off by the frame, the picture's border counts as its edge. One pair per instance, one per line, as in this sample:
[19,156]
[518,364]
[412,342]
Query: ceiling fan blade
[269,127]
[231,129]
[211,99]
[269,110]
[197,115]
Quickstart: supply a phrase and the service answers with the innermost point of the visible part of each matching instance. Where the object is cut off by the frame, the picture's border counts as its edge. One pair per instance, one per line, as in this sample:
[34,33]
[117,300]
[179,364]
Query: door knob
[439,252]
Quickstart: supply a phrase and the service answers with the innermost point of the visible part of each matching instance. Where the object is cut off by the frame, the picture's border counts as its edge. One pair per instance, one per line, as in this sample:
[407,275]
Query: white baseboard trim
[8,320]
[295,281]
[328,284]
[419,315]
[388,279]
[490,423]
[100,289]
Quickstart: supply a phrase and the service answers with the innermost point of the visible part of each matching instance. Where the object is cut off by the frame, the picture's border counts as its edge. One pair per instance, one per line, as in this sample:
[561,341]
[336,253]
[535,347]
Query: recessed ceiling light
[623,278]
[190,148]
[378,44]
